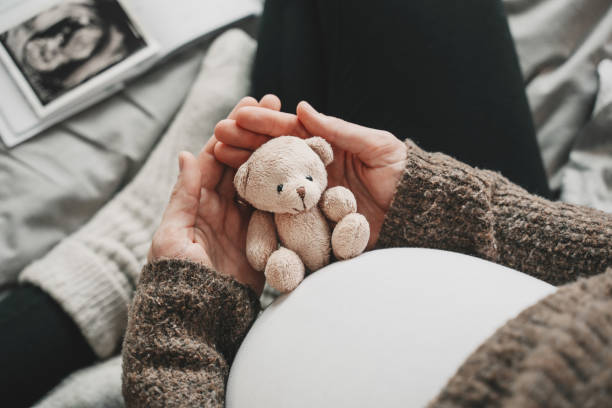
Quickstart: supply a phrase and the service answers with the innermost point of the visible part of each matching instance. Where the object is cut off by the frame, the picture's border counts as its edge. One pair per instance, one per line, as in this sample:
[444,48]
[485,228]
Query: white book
[58,57]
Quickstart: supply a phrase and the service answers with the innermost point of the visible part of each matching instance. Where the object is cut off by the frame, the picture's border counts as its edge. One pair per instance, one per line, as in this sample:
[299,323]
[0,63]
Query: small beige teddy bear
[286,181]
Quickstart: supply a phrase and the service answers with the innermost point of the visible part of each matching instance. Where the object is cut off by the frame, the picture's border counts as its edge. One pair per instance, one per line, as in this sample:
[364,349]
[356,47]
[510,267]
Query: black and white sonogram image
[68,44]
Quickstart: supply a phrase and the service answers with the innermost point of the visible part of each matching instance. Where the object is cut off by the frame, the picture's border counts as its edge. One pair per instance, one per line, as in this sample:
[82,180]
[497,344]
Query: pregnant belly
[387,328]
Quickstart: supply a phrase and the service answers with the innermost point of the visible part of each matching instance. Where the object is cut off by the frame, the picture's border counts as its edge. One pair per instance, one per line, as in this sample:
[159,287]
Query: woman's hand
[367,161]
[202,222]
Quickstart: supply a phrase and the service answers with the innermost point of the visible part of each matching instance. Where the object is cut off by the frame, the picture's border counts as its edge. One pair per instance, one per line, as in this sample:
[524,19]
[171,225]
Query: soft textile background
[564,47]
[54,183]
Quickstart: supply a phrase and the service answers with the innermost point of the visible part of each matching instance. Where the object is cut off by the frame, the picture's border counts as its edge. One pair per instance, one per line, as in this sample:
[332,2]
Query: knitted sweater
[187,321]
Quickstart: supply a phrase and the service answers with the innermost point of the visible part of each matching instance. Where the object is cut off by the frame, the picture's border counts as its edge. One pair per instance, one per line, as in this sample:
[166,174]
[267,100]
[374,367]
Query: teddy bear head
[285,175]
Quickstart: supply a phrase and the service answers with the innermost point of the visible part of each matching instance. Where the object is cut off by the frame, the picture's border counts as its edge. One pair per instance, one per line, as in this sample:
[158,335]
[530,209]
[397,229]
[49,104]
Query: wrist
[392,179]
[255,284]
[236,267]
[247,276]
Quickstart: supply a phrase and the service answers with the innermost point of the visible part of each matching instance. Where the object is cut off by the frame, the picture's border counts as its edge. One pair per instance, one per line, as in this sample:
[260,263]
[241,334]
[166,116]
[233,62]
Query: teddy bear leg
[350,236]
[284,270]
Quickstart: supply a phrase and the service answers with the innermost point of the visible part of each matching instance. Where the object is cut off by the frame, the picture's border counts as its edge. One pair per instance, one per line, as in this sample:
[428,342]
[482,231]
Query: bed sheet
[561,46]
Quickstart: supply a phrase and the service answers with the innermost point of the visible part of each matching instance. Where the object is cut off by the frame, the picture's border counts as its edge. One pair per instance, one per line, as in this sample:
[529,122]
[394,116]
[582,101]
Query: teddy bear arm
[337,202]
[261,240]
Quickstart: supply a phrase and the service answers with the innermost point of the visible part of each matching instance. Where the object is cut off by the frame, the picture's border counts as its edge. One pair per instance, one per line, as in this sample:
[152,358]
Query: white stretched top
[386,329]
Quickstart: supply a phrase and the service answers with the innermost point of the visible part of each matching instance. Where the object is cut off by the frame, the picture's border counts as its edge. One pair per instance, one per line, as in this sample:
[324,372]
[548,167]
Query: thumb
[182,208]
[348,136]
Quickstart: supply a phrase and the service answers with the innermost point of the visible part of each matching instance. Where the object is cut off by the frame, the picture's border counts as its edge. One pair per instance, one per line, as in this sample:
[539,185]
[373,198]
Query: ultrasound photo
[70,43]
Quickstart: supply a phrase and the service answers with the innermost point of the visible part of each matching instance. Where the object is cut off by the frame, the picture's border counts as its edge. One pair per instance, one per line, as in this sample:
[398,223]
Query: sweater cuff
[218,302]
[441,203]
[96,298]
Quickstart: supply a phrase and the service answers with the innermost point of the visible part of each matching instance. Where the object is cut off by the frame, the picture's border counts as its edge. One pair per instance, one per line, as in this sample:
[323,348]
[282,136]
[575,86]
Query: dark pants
[39,345]
[442,73]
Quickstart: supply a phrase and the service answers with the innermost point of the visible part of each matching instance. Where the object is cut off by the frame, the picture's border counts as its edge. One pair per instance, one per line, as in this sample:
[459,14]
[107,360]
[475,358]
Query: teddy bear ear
[241,178]
[322,148]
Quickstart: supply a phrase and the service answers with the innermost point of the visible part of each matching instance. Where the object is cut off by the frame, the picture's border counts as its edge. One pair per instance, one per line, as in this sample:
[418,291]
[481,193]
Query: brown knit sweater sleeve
[184,328]
[445,204]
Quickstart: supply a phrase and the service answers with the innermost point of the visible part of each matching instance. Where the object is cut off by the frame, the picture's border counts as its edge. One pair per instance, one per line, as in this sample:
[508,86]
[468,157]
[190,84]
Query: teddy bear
[285,180]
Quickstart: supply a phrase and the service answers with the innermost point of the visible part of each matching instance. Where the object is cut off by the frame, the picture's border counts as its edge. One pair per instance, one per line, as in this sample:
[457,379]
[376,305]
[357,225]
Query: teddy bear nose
[301,192]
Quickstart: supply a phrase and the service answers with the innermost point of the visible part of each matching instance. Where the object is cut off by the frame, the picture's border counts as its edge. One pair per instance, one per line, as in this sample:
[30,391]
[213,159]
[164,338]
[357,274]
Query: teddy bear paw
[337,202]
[284,270]
[350,236]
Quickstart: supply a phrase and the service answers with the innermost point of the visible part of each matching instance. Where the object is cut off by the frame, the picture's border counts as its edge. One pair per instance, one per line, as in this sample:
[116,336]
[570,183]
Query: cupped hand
[367,161]
[202,222]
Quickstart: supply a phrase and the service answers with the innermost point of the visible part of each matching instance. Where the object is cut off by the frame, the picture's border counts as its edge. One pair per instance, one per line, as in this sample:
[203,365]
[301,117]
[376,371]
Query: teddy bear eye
[279,188]
[309,178]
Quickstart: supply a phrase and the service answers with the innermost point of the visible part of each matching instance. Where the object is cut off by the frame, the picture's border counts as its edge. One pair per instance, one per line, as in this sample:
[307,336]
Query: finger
[270,101]
[269,122]
[246,101]
[226,187]
[210,169]
[348,136]
[231,156]
[182,208]
[228,132]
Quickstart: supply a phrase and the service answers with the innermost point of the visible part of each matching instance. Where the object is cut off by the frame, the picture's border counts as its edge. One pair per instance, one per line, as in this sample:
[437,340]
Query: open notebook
[57,57]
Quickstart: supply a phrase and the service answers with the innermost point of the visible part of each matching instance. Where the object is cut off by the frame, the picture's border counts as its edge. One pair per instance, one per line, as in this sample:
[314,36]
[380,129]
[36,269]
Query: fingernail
[181,161]
[309,107]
